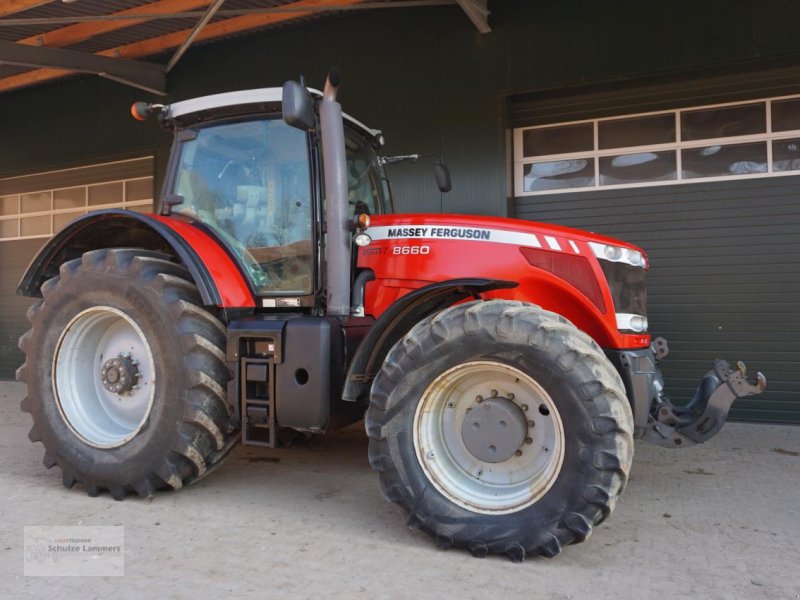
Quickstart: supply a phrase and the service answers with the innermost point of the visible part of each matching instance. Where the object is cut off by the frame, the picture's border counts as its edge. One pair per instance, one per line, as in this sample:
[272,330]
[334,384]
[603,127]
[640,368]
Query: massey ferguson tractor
[504,366]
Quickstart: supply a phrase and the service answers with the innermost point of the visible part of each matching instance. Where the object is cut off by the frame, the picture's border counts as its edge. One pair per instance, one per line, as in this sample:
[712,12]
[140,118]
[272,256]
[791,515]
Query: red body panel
[420,255]
[233,288]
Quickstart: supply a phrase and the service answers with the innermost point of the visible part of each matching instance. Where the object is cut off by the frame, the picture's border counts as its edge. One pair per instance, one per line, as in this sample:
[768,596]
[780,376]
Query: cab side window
[363,177]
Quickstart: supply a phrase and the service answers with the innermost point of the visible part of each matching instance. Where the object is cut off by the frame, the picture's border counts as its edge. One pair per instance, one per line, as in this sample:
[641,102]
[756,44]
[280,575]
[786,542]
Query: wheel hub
[120,375]
[494,430]
[459,461]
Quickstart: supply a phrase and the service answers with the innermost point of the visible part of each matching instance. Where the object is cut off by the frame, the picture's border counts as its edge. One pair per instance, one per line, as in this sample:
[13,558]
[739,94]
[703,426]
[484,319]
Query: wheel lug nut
[525,407]
[479,399]
[494,392]
[531,423]
[518,453]
[528,440]
[511,396]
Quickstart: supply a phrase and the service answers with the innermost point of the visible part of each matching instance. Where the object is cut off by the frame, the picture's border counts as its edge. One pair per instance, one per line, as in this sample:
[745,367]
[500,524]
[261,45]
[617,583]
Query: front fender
[217,276]
[399,318]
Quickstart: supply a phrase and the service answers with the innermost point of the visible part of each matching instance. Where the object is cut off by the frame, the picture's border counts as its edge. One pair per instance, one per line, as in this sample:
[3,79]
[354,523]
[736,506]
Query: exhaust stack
[338,226]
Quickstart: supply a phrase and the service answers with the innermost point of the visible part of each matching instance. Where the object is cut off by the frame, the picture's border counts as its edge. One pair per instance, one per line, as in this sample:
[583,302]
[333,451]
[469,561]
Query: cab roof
[186,108]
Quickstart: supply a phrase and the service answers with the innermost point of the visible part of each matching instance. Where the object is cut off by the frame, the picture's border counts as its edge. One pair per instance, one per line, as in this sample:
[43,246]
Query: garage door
[33,207]
[713,194]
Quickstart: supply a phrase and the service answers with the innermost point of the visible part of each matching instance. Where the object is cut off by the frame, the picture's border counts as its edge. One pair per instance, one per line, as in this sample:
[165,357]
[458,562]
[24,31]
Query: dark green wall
[425,76]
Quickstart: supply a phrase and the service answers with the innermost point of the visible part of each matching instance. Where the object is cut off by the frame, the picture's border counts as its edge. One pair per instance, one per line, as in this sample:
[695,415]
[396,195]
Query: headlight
[618,254]
[362,239]
[629,322]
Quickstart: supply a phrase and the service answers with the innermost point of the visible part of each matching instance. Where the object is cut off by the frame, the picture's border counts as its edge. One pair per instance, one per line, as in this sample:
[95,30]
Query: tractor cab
[255,182]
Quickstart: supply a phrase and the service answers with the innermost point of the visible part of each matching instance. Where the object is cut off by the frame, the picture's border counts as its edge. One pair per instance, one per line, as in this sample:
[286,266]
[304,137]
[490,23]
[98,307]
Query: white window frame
[520,161]
[73,211]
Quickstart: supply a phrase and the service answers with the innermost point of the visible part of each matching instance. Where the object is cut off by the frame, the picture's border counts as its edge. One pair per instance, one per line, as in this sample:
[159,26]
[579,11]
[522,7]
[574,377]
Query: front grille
[628,287]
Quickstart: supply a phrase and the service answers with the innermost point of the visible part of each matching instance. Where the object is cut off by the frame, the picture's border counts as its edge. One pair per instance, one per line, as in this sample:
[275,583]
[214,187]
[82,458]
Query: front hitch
[705,414]
[657,420]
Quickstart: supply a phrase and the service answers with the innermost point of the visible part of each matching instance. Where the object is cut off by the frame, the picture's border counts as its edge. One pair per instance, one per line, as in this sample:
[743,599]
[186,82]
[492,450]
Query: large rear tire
[126,375]
[499,427]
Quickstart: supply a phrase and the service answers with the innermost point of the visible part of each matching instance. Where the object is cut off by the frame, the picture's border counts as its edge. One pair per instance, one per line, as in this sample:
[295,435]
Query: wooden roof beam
[74,34]
[221,28]
[174,40]
[9,7]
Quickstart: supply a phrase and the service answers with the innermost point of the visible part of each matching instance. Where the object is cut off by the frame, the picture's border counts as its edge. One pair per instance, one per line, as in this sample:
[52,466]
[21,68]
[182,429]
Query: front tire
[126,375]
[537,469]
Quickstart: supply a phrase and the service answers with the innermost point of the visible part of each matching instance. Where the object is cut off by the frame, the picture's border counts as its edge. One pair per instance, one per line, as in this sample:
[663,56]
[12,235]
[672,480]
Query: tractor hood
[483,228]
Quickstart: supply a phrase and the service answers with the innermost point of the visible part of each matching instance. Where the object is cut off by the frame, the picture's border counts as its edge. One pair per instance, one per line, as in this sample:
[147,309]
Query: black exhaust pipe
[338,226]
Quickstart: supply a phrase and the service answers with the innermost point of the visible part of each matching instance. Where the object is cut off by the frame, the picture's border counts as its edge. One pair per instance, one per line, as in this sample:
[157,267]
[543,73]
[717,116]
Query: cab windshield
[250,182]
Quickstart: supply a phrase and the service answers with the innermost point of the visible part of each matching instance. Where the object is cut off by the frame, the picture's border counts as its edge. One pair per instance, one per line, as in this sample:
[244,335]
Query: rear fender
[399,318]
[216,274]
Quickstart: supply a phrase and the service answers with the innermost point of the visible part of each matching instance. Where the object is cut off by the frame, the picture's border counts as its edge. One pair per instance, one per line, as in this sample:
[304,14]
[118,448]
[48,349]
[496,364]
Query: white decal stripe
[574,247]
[552,242]
[454,232]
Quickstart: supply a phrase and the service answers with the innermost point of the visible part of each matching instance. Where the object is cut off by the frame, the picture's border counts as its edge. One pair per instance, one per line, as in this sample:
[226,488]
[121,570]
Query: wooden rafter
[9,7]
[74,34]
[173,40]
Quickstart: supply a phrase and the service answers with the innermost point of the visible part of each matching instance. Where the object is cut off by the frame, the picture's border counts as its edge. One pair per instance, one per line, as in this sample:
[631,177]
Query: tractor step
[257,393]
[255,345]
[705,414]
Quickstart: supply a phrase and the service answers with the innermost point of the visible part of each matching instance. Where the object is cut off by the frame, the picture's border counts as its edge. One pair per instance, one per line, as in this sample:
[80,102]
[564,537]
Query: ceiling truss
[49,56]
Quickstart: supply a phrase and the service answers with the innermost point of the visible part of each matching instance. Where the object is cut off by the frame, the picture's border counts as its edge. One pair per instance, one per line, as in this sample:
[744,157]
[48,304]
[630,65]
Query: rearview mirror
[297,106]
[442,174]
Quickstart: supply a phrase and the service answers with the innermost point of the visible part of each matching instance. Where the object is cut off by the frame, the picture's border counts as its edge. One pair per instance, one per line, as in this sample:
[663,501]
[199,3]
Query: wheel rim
[104,377]
[448,455]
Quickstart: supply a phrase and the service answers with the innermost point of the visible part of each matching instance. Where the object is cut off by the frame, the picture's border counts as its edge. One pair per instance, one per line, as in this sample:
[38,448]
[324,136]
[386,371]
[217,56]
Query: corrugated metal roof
[59,9]
[134,32]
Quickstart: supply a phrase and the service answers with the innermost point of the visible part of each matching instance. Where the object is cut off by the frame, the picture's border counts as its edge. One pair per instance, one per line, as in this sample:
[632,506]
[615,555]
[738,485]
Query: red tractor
[504,366]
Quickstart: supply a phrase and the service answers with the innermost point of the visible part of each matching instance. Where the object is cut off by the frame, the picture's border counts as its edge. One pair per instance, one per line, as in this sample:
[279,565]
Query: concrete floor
[716,521]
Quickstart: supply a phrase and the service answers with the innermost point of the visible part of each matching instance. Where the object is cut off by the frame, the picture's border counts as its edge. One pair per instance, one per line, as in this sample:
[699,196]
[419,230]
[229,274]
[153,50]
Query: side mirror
[297,106]
[442,174]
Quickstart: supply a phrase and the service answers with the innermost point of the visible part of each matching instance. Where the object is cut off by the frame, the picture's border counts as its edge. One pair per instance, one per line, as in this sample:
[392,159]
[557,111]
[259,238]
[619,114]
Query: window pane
[251,183]
[559,174]
[70,198]
[723,122]
[105,193]
[639,167]
[718,161]
[786,115]
[139,189]
[60,220]
[363,180]
[786,155]
[9,205]
[35,225]
[558,140]
[639,131]
[35,202]
[8,228]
